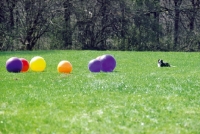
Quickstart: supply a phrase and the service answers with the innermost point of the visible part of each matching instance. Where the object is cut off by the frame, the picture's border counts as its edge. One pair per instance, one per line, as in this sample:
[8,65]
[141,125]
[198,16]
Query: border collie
[163,64]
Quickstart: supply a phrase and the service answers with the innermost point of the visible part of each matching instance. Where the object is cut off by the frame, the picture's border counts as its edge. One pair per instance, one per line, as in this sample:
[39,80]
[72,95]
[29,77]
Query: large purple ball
[94,65]
[14,64]
[108,63]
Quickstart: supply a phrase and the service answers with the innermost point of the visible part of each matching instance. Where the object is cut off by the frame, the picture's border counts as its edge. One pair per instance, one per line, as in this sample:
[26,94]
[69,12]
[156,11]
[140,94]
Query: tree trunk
[103,23]
[193,13]
[157,18]
[68,30]
[2,23]
[177,4]
[122,33]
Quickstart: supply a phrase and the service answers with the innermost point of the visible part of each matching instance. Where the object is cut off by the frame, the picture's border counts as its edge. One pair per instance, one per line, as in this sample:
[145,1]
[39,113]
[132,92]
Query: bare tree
[97,21]
[34,18]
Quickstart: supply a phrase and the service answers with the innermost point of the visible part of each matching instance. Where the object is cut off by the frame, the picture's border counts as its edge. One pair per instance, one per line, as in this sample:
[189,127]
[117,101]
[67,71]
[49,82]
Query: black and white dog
[162,64]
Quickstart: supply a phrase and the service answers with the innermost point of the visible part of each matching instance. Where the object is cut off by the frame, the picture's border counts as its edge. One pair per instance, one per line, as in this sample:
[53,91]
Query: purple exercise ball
[94,65]
[14,64]
[108,63]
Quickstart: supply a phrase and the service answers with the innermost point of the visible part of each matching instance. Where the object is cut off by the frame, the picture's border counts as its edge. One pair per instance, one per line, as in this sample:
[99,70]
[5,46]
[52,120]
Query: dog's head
[160,62]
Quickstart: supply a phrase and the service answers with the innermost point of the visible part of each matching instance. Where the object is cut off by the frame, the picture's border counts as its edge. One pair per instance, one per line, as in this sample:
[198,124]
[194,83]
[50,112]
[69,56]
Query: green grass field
[138,97]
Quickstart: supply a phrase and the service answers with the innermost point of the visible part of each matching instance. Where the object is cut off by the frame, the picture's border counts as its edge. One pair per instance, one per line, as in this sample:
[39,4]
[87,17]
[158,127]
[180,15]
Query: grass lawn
[138,97]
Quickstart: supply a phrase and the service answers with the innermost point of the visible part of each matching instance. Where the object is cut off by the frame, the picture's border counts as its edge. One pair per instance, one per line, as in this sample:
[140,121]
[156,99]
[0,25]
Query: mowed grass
[138,97]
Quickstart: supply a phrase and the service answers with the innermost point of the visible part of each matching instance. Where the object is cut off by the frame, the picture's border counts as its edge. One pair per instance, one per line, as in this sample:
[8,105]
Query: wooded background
[139,25]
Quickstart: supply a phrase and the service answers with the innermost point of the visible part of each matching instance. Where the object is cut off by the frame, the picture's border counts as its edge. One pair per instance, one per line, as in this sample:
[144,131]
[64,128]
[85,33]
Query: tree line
[139,25]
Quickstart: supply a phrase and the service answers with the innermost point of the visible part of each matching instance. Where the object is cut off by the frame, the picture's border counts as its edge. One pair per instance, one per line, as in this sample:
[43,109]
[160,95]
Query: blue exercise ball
[94,65]
[14,65]
[108,63]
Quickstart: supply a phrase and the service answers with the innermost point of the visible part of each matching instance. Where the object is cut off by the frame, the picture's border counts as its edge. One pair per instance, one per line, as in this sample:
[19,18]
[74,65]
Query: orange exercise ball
[64,67]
